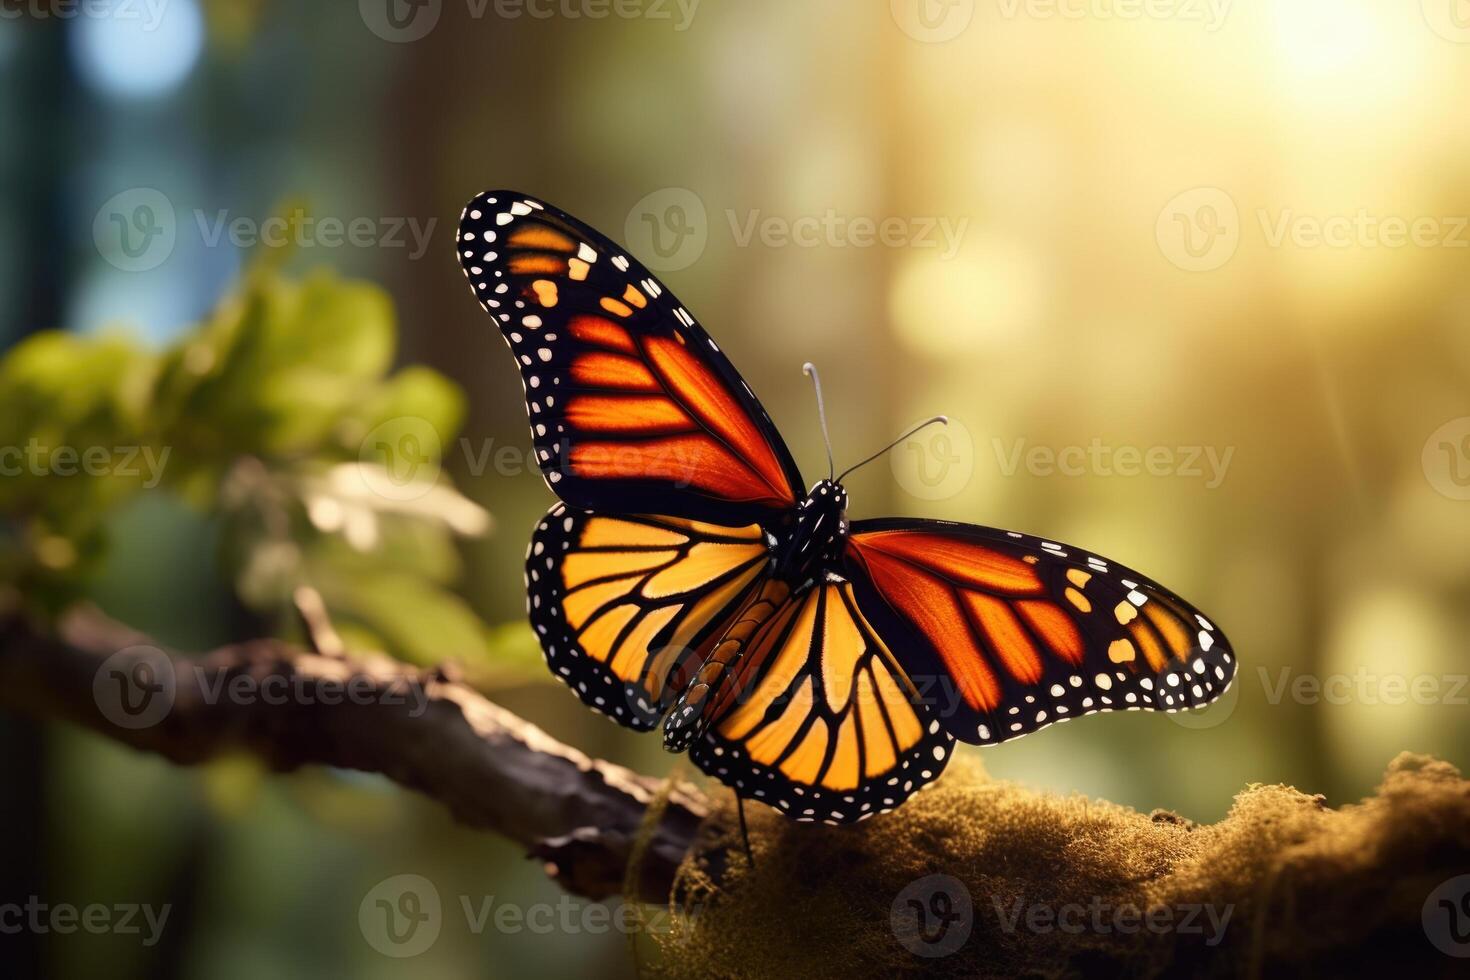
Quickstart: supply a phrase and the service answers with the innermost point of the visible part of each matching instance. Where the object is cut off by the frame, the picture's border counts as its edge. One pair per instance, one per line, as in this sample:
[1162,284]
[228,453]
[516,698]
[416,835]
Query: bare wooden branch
[422,729]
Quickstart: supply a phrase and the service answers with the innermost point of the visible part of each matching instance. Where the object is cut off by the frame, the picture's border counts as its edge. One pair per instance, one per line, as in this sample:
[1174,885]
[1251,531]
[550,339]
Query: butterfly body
[810,549]
[821,666]
[816,543]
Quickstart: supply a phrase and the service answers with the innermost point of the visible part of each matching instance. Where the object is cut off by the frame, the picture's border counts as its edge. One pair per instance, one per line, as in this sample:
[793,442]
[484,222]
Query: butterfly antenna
[939,419]
[810,370]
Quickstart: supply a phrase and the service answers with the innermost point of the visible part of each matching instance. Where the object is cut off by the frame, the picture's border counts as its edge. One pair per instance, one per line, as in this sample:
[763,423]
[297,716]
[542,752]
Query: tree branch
[422,729]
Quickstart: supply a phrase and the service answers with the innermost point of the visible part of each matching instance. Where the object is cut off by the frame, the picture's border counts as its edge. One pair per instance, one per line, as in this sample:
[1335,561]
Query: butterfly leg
[745,831]
[693,714]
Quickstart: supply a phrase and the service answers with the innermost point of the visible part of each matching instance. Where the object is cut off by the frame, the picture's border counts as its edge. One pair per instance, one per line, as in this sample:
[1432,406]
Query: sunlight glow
[990,293]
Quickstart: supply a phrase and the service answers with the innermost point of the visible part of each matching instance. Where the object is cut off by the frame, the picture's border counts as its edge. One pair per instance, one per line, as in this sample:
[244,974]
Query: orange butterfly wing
[1005,633]
[633,408]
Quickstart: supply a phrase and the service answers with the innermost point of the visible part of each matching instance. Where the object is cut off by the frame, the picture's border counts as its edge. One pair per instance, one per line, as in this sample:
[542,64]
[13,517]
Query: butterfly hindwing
[1005,633]
[633,408]
[826,725]
[625,606]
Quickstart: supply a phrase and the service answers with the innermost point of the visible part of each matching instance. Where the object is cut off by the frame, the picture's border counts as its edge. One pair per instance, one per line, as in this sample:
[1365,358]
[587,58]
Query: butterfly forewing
[1006,633]
[632,406]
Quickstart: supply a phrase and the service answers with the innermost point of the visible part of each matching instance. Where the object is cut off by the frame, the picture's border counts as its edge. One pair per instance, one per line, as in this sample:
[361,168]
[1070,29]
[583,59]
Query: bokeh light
[138,51]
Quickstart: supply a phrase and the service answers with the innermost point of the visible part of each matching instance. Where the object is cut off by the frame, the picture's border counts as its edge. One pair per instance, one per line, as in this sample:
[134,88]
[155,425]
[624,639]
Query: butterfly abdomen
[707,692]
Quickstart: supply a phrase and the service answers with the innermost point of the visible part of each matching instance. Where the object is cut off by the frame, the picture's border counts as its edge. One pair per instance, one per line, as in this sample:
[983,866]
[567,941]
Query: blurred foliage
[277,416]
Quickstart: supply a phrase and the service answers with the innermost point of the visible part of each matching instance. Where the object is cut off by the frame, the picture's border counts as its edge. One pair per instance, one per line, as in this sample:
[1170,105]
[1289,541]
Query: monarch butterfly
[821,666]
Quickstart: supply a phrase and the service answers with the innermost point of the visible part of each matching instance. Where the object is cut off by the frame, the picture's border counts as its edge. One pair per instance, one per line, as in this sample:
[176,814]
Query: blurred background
[1190,277]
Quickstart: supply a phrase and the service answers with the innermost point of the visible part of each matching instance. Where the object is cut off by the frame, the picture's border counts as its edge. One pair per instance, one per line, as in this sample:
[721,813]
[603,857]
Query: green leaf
[414,398]
[288,361]
[417,620]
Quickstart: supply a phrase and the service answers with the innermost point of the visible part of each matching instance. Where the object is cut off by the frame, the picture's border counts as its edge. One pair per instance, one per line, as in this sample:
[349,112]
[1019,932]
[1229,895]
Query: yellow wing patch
[637,592]
[849,700]
[825,725]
